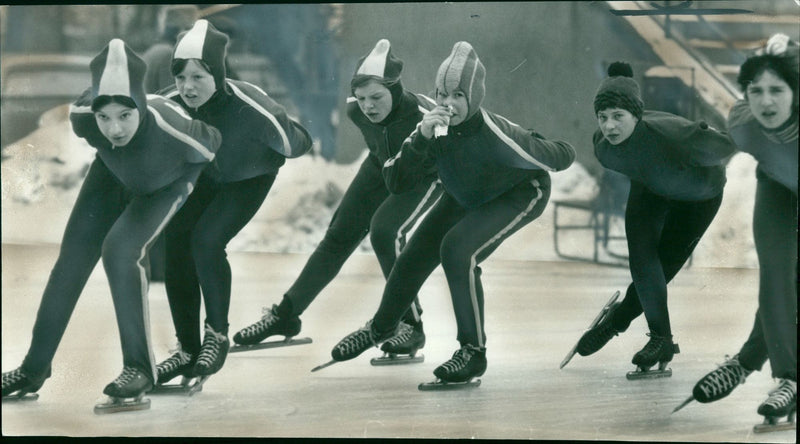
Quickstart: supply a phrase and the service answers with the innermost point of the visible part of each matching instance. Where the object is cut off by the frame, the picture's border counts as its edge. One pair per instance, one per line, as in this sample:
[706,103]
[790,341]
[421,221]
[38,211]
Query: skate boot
[356,343]
[270,324]
[719,383]
[658,350]
[781,402]
[125,393]
[212,353]
[17,386]
[403,347]
[180,364]
[467,363]
[596,338]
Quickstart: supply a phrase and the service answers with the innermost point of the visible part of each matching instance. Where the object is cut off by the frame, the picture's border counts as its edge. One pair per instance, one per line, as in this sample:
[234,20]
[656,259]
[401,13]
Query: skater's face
[195,84]
[770,99]
[117,122]
[374,100]
[616,124]
[456,101]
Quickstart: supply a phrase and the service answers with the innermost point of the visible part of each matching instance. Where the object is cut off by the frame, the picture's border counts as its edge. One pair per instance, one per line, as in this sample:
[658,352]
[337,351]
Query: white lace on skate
[212,343]
[268,319]
[357,341]
[724,379]
[127,375]
[783,395]
[459,360]
[174,362]
[403,335]
[12,377]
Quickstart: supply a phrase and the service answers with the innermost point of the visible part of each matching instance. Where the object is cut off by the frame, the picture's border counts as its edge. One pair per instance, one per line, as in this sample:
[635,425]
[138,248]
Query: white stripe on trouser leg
[473,293]
[143,279]
[406,226]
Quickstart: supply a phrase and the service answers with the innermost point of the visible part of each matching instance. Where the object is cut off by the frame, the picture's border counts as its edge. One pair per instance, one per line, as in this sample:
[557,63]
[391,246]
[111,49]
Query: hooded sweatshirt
[167,141]
[257,134]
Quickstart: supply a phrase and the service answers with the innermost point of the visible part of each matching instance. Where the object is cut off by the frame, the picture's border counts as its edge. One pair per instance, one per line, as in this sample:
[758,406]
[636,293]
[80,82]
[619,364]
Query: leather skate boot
[596,338]
[179,364]
[269,325]
[467,362]
[212,353]
[131,383]
[17,383]
[782,401]
[720,383]
[358,342]
[407,341]
[658,350]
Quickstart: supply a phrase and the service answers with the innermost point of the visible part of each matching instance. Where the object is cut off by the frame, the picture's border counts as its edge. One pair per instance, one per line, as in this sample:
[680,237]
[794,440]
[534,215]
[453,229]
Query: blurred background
[544,61]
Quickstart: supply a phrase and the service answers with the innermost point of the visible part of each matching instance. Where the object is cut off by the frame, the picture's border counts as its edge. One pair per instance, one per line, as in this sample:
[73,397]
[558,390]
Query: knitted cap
[118,71]
[204,42]
[464,71]
[380,63]
[781,55]
[619,90]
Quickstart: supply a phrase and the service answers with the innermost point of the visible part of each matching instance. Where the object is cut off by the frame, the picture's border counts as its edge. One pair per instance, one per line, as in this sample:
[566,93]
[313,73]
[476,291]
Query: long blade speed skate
[646,373]
[327,364]
[606,308]
[114,405]
[187,386]
[440,384]
[774,424]
[288,341]
[21,396]
[397,359]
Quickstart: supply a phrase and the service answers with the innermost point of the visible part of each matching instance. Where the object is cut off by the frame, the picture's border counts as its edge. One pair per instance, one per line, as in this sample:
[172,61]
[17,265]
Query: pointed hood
[206,43]
[384,67]
[118,71]
[464,71]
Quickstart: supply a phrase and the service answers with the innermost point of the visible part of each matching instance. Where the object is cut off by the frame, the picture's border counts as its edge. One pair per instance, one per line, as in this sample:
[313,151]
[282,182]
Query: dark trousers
[459,239]
[662,233]
[107,221]
[196,258]
[366,207]
[774,333]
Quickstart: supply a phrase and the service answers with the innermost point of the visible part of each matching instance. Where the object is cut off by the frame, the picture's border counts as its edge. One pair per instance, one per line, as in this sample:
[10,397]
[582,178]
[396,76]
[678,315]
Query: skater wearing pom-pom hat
[677,173]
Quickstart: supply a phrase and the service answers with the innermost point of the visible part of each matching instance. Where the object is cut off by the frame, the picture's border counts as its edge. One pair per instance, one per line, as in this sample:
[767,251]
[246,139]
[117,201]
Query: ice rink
[535,311]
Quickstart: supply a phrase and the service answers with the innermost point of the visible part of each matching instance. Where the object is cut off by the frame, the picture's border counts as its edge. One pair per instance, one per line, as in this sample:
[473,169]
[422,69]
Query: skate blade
[683,404]
[270,344]
[21,397]
[444,385]
[767,426]
[393,359]
[327,364]
[184,388]
[197,386]
[606,308]
[115,405]
[648,374]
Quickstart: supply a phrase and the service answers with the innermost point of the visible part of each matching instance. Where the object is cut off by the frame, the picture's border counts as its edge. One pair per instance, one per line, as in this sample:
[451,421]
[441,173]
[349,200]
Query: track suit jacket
[496,180]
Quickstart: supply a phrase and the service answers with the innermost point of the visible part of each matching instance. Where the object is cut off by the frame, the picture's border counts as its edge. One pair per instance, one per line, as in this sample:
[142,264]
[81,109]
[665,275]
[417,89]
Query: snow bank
[41,175]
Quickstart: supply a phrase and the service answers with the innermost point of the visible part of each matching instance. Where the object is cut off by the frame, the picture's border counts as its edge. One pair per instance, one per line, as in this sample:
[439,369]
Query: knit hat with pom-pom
[619,90]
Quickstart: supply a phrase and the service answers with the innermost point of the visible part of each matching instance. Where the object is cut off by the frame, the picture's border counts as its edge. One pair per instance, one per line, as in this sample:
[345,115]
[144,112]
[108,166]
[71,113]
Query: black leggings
[661,233]
[459,239]
[366,207]
[196,258]
[106,221]
[774,333]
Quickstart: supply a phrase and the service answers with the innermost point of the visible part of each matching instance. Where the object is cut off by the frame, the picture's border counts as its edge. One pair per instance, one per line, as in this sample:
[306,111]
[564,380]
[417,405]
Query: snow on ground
[41,176]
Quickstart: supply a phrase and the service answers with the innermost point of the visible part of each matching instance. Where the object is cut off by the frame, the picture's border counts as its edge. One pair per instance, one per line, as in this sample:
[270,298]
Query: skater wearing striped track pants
[496,181]
[149,155]
[677,172]
[257,138]
[386,114]
[765,126]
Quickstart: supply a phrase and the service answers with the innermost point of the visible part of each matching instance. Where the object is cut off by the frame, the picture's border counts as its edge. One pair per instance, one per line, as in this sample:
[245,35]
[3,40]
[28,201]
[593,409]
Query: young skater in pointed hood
[257,138]
[677,172]
[149,156]
[496,180]
[385,114]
